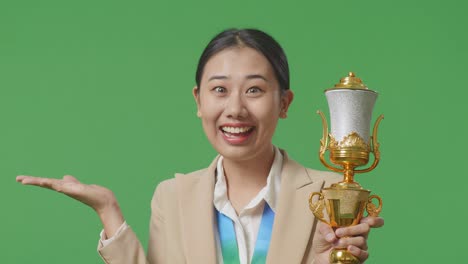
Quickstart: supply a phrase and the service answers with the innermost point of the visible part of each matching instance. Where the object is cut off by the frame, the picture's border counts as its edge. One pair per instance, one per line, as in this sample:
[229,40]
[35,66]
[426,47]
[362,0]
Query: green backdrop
[102,90]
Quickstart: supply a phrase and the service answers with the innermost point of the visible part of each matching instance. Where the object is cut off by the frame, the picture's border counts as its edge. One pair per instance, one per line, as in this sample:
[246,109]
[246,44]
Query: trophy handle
[317,207]
[324,144]
[375,147]
[373,210]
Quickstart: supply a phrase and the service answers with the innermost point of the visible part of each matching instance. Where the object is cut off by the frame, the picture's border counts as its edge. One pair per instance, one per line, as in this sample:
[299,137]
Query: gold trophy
[349,143]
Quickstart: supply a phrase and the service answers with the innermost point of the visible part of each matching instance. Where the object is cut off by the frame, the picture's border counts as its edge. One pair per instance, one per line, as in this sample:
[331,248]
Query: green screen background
[102,90]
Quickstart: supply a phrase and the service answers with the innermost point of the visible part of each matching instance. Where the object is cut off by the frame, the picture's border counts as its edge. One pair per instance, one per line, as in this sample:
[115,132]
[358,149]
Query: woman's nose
[235,107]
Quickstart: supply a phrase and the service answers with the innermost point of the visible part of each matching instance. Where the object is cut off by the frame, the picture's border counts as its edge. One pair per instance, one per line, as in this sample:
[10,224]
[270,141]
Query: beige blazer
[182,226]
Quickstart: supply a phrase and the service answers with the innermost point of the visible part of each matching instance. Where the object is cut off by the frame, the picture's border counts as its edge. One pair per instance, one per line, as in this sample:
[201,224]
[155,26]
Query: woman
[250,204]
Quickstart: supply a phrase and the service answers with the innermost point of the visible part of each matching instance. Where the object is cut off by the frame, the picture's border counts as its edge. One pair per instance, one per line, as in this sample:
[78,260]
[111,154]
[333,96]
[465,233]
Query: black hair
[252,38]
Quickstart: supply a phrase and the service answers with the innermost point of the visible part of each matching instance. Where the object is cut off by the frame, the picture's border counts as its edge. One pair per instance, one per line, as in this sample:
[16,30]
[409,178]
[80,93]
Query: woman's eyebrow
[218,77]
[250,76]
[256,76]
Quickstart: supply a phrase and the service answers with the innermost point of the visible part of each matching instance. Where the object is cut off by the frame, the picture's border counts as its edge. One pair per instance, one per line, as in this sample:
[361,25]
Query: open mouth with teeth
[236,134]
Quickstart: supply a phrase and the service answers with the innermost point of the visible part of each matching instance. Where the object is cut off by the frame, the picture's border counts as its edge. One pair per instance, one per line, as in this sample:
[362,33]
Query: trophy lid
[350,103]
[350,82]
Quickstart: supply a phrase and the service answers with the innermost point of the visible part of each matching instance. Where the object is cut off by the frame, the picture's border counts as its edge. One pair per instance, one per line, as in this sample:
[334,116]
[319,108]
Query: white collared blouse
[247,223]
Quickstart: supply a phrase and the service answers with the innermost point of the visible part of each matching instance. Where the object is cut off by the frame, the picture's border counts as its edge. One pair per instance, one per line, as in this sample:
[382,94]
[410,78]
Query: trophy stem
[348,181]
[348,173]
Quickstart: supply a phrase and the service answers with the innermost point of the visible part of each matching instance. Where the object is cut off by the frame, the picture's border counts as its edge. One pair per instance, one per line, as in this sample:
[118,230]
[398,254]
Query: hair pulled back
[252,38]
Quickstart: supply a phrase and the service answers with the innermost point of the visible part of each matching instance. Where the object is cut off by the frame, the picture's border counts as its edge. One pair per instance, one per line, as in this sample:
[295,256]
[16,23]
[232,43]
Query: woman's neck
[246,178]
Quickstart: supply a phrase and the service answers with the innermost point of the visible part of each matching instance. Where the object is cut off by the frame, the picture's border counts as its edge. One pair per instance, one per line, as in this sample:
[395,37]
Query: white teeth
[236,130]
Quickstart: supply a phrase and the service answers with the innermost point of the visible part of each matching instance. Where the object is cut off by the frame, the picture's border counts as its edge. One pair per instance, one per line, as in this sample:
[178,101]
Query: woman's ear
[196,96]
[286,100]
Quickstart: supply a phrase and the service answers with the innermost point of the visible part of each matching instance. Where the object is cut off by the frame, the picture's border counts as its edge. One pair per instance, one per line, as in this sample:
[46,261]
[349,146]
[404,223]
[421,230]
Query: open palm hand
[101,199]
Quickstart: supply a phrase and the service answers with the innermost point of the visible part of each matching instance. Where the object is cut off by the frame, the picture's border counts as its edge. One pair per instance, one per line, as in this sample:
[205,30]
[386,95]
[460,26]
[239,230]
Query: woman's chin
[235,151]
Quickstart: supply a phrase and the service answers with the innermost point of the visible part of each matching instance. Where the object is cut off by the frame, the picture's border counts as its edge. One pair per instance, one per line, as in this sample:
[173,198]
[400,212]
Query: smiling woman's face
[239,102]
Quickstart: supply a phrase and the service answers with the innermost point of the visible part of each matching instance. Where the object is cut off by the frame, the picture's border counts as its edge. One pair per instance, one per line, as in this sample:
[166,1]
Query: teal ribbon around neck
[227,237]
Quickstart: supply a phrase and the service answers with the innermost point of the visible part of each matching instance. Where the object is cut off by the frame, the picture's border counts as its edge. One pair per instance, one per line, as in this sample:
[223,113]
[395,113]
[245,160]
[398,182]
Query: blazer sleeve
[127,249]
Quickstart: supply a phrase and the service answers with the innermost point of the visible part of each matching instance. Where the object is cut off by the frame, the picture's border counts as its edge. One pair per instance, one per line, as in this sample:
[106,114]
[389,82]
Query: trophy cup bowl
[349,144]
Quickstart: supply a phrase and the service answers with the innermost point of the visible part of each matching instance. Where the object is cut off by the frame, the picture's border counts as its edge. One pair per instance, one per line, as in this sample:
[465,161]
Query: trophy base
[342,256]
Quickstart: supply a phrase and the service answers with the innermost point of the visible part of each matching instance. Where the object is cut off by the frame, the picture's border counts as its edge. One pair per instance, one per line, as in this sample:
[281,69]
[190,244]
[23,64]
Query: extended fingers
[25,179]
[38,181]
[53,184]
[22,178]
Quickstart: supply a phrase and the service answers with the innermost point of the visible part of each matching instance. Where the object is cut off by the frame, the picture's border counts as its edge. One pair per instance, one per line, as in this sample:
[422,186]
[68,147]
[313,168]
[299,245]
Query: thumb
[324,238]
[70,178]
[326,232]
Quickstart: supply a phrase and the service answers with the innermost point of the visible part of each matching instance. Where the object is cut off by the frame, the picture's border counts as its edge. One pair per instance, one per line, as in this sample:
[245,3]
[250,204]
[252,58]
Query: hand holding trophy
[349,143]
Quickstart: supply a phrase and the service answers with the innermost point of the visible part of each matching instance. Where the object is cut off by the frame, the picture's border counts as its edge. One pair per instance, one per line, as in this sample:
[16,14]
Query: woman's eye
[253,90]
[219,89]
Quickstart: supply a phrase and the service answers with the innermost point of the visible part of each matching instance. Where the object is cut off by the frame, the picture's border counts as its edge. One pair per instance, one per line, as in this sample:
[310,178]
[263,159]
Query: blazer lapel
[293,222]
[195,191]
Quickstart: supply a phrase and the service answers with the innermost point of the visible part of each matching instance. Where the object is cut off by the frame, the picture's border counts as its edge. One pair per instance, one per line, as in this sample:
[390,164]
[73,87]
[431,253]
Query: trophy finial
[351,82]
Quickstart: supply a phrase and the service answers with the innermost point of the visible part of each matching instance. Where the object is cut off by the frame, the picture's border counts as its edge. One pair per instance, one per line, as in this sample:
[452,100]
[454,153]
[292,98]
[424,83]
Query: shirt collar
[269,193]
